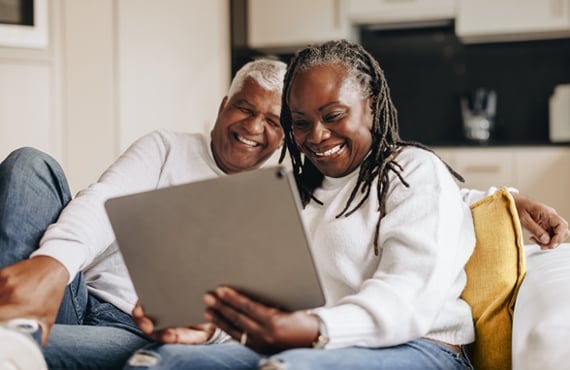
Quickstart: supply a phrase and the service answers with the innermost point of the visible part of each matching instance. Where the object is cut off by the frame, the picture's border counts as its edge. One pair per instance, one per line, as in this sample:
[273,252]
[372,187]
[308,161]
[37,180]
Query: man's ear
[222,104]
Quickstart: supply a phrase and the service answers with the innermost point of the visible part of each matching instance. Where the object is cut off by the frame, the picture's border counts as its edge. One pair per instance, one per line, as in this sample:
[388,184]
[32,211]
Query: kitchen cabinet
[399,11]
[482,168]
[542,173]
[288,25]
[511,20]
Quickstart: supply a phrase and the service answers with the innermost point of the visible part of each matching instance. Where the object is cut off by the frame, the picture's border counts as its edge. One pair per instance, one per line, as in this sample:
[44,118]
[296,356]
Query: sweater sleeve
[82,231]
[425,239]
[471,196]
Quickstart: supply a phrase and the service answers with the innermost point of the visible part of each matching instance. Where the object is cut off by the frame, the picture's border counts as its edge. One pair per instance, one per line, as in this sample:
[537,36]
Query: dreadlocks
[386,142]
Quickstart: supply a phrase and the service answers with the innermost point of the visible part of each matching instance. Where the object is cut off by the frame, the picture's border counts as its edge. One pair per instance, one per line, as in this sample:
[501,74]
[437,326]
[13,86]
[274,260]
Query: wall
[114,70]
[173,65]
[30,107]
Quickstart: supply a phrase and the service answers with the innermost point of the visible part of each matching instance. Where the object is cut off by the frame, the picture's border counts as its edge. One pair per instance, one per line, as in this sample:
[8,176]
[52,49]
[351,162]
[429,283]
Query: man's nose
[254,124]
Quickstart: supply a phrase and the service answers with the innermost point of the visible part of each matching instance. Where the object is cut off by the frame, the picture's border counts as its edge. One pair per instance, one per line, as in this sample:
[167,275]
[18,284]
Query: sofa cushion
[541,328]
[494,274]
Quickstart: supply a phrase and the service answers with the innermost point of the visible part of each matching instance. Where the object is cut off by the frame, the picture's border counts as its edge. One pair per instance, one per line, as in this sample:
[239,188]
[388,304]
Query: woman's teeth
[331,151]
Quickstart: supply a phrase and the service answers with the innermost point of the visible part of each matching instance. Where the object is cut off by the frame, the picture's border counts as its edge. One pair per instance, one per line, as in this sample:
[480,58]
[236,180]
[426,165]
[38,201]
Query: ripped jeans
[419,354]
[89,333]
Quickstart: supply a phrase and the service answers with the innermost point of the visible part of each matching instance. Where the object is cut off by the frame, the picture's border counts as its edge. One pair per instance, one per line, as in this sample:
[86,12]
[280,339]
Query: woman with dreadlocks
[390,236]
[390,232]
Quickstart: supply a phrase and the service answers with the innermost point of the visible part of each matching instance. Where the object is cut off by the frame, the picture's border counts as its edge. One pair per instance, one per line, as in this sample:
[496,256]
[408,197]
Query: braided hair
[363,68]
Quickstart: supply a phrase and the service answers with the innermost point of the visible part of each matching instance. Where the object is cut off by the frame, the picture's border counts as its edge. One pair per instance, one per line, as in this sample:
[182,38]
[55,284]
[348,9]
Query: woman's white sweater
[412,288]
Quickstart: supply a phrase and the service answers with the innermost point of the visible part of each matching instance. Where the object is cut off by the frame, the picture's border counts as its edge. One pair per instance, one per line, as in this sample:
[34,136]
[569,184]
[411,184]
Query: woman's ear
[372,103]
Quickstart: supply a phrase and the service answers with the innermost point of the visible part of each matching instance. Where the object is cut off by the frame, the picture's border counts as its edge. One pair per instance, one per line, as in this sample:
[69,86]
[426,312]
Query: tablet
[243,230]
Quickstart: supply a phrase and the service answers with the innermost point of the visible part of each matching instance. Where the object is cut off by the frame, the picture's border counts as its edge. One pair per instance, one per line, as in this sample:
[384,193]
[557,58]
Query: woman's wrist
[322,338]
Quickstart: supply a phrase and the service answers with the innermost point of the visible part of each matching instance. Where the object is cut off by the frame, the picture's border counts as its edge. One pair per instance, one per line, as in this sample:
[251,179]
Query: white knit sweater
[409,291]
[412,288]
[82,238]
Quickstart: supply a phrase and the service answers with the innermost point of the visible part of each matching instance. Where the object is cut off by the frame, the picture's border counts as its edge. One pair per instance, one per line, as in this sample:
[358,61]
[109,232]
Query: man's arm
[547,228]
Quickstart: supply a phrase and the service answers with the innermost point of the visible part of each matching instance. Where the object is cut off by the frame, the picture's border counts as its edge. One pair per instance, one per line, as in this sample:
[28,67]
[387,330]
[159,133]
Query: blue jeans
[88,333]
[419,354]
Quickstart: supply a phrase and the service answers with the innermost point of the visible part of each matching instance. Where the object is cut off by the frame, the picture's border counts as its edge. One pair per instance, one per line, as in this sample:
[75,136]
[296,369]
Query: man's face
[247,131]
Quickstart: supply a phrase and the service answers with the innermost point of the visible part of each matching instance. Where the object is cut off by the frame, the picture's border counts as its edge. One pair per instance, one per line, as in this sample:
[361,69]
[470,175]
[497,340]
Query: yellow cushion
[494,274]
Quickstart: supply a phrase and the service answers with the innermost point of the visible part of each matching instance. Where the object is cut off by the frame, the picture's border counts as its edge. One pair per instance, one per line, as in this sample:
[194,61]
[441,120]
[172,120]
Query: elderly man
[76,277]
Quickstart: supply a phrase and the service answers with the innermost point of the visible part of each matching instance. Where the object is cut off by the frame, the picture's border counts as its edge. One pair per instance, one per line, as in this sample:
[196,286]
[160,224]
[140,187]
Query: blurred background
[82,79]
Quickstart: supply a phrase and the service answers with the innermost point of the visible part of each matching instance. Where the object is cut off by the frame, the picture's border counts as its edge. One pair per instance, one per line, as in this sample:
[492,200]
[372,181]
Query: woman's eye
[331,117]
[300,124]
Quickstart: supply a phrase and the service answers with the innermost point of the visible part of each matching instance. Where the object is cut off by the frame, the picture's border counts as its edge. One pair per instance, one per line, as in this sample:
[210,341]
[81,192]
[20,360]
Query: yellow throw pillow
[494,274]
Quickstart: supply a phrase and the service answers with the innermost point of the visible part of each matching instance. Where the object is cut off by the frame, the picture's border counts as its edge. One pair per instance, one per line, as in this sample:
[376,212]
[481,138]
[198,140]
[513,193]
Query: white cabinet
[278,24]
[482,168]
[398,11]
[509,20]
[542,173]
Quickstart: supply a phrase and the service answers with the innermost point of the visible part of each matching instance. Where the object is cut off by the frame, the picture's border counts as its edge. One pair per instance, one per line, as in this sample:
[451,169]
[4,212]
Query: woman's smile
[332,121]
[329,152]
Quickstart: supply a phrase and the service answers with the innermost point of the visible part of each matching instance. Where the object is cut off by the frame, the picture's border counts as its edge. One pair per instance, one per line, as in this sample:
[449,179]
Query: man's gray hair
[267,73]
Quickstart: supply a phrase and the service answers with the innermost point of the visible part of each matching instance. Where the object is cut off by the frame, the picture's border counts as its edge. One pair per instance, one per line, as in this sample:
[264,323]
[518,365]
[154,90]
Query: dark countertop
[495,144]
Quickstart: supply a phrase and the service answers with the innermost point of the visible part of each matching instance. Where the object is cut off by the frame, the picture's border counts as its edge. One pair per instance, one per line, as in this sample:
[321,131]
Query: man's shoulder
[171,135]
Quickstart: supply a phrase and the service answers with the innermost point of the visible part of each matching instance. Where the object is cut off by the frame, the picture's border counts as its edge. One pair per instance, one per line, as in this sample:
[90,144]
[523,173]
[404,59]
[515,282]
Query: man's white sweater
[82,238]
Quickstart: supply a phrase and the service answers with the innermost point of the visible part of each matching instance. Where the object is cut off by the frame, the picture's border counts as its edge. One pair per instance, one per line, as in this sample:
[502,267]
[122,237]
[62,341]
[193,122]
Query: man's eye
[274,123]
[244,110]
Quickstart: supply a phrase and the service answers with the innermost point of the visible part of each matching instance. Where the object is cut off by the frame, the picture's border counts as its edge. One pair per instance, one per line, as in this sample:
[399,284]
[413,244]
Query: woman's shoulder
[416,155]
[419,162]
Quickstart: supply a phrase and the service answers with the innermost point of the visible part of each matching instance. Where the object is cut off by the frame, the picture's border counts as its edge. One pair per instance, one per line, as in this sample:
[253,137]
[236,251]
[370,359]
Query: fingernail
[209,300]
[169,336]
[544,238]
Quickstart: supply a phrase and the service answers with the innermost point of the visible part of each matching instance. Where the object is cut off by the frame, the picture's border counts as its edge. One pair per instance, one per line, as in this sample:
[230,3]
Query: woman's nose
[318,133]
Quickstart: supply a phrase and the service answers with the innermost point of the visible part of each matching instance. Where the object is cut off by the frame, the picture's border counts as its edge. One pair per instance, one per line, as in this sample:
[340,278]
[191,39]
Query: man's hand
[198,334]
[33,289]
[547,228]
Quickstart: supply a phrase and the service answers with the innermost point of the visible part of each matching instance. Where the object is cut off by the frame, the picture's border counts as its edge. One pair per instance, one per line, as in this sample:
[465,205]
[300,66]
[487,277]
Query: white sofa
[541,324]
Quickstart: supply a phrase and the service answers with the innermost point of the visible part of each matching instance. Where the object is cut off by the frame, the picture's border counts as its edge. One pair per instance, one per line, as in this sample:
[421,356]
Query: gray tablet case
[243,230]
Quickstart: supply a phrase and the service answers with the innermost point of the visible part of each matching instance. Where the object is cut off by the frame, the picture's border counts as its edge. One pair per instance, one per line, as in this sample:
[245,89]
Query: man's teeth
[329,152]
[246,141]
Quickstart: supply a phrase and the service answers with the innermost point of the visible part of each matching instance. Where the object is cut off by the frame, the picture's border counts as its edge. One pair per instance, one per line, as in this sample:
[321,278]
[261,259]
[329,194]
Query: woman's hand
[262,328]
[198,334]
[547,228]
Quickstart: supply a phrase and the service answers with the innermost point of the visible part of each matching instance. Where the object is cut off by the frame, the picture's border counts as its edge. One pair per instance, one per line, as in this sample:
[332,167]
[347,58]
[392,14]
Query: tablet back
[243,230]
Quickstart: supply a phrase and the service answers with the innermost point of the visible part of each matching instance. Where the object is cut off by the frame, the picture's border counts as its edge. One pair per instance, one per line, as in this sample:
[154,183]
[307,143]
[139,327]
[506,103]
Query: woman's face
[332,122]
